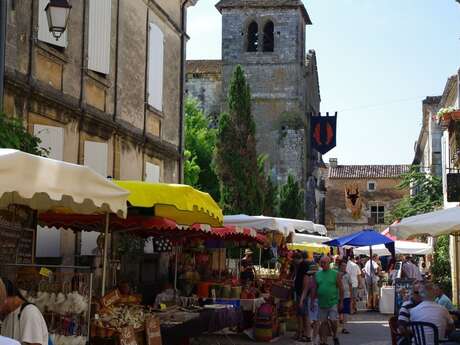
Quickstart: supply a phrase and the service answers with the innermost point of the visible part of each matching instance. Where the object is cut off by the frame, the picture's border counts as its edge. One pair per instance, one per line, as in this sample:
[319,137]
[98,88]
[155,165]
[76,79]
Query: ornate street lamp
[57,12]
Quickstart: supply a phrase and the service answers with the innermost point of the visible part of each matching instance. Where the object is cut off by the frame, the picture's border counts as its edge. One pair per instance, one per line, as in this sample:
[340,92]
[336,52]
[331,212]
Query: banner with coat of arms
[323,132]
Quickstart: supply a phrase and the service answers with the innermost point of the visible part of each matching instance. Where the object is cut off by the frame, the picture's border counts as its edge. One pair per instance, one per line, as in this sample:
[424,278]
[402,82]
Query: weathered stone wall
[276,78]
[52,86]
[207,88]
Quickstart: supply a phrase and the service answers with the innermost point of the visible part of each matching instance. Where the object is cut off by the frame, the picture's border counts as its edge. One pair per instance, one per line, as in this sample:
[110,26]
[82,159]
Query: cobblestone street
[365,329]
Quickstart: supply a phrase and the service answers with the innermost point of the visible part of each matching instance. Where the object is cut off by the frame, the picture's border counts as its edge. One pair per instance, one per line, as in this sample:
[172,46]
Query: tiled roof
[367,171]
[264,3]
[204,66]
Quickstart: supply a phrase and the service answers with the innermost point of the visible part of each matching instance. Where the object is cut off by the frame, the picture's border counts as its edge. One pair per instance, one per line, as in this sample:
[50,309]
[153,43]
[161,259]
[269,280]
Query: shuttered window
[95,156]
[52,139]
[44,33]
[155,67]
[99,28]
[152,173]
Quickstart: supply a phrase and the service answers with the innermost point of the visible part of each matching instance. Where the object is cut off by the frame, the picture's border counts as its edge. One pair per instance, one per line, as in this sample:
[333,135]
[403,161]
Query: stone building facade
[428,148]
[102,95]
[360,196]
[267,38]
[450,145]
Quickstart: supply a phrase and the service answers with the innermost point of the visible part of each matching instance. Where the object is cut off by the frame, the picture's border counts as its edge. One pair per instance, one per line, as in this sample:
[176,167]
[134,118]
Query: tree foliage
[426,194]
[200,141]
[13,135]
[269,190]
[236,156]
[441,264]
[291,199]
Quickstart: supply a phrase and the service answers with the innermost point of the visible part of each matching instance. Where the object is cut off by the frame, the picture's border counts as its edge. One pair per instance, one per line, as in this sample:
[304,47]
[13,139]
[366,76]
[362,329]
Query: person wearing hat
[248,273]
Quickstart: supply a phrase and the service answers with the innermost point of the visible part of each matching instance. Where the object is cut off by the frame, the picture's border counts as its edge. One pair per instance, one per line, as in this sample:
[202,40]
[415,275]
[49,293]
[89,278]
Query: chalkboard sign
[403,292]
[16,243]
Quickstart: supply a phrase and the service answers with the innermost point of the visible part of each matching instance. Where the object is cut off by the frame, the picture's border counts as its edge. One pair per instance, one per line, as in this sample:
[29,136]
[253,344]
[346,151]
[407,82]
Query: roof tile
[367,171]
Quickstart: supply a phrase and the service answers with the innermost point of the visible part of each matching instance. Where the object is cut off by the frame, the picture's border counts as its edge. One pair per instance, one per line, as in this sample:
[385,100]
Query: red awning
[149,226]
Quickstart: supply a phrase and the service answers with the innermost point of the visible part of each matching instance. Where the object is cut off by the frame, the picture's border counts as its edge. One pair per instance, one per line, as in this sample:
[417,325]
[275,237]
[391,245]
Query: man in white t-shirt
[354,271]
[429,311]
[23,322]
[372,279]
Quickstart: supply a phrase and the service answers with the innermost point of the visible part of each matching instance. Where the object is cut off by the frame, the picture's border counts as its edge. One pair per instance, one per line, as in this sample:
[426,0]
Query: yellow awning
[309,247]
[181,203]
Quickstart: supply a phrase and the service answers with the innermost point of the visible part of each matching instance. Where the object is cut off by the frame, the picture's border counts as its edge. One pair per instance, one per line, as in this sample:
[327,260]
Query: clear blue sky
[377,60]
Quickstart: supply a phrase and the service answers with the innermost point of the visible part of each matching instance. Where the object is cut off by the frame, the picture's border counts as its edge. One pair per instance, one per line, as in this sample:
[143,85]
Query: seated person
[429,311]
[404,316]
[167,296]
[441,298]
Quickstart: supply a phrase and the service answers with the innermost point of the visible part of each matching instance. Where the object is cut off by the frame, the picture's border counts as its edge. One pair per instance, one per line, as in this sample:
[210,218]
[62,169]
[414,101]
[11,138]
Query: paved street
[365,329]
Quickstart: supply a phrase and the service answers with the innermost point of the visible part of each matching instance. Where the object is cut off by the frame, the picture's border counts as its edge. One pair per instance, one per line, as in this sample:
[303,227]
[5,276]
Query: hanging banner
[323,133]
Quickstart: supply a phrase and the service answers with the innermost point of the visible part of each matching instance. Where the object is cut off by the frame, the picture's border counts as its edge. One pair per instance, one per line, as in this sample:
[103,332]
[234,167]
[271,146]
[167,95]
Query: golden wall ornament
[353,201]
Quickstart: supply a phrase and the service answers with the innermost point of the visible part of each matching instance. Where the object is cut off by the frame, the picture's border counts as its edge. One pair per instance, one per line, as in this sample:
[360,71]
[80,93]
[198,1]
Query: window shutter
[89,242]
[48,242]
[52,139]
[44,33]
[155,75]
[96,156]
[99,30]
[152,173]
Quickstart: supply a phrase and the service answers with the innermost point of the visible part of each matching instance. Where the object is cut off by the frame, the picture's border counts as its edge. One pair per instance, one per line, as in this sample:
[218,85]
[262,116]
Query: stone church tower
[267,38]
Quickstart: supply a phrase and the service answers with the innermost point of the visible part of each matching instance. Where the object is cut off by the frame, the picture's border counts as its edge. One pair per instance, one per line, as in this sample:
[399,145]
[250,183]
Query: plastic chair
[418,333]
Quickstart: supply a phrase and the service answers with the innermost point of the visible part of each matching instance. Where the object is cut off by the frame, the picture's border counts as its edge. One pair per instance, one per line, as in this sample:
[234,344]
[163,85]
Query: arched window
[253,37]
[269,37]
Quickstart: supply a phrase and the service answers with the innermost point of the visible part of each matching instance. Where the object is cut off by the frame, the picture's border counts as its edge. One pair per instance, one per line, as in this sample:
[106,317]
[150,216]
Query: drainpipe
[181,89]
[3,19]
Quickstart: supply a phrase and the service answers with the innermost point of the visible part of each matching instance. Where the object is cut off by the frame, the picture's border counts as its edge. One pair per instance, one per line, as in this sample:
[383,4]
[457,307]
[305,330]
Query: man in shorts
[354,271]
[329,291]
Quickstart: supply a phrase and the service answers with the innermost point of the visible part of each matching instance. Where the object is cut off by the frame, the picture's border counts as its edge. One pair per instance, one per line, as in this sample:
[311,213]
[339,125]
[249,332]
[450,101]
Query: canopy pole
[175,271]
[372,273]
[104,256]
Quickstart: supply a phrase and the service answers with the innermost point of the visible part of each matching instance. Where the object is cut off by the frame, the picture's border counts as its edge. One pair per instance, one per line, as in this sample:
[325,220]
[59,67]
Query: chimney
[333,162]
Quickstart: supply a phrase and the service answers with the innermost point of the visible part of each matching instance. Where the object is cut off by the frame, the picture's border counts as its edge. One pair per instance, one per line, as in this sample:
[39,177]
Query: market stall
[38,184]
[209,295]
[366,238]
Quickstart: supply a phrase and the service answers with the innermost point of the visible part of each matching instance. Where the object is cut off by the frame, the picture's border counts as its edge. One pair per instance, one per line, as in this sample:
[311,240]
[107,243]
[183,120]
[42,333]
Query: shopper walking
[23,321]
[347,293]
[354,271]
[330,298]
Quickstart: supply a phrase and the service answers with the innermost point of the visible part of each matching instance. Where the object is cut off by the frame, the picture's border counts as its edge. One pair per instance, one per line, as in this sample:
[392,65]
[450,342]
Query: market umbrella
[286,226]
[45,184]
[181,203]
[436,223]
[309,247]
[364,238]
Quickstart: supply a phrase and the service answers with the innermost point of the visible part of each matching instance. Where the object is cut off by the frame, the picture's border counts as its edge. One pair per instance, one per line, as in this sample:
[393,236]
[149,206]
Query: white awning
[46,184]
[401,247]
[285,226]
[304,238]
[434,224]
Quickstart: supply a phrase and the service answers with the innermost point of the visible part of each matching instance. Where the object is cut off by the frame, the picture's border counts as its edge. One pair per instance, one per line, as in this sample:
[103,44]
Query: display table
[387,300]
[209,321]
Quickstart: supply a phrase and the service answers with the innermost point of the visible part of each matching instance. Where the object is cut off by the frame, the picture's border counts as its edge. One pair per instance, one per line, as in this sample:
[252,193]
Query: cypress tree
[291,199]
[236,156]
